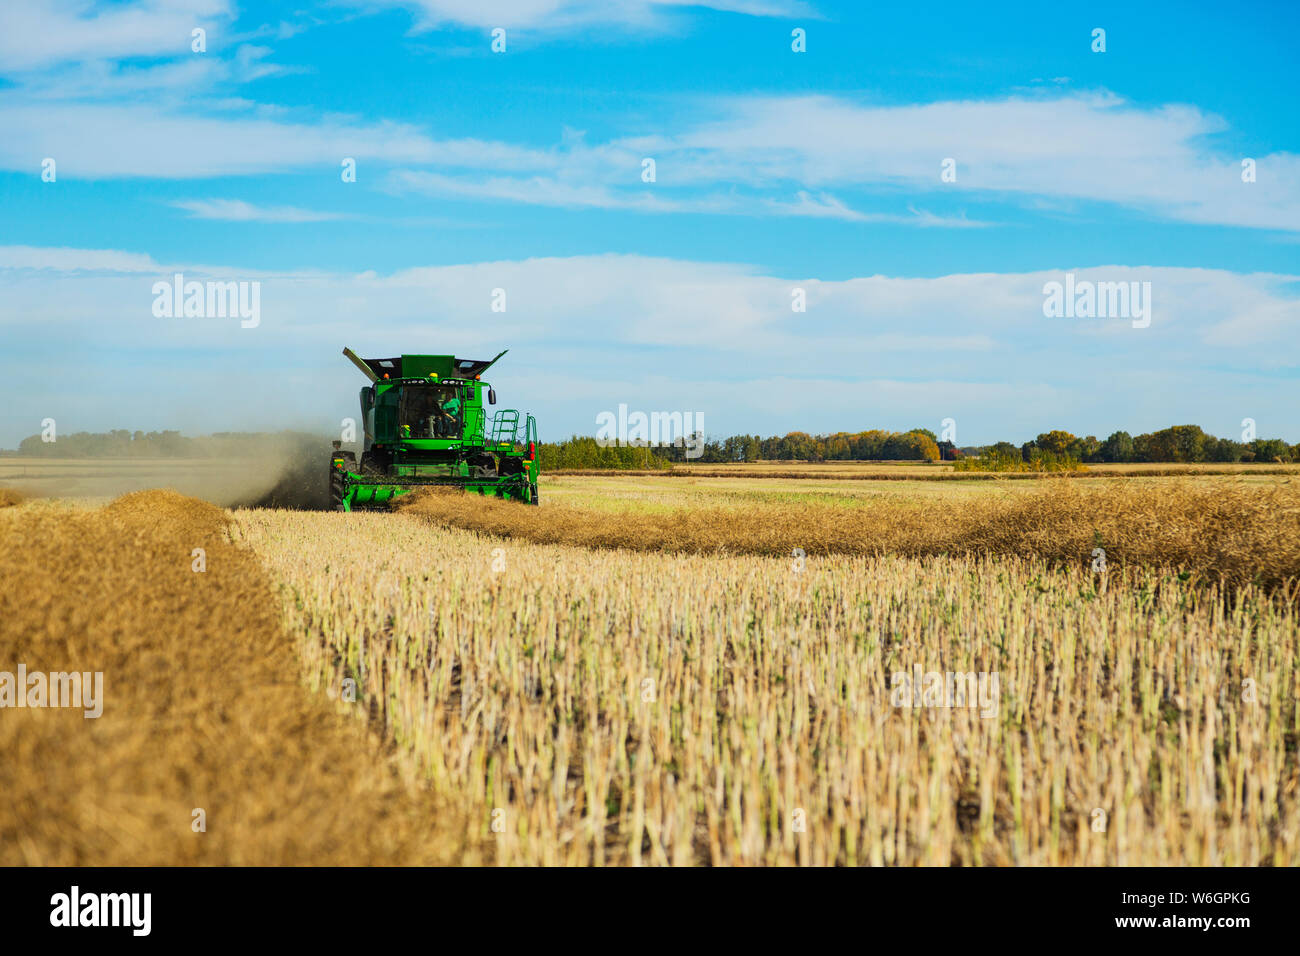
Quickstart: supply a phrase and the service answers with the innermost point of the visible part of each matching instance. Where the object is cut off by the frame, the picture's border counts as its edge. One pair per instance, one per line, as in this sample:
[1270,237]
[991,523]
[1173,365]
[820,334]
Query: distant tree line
[578,452]
[1049,451]
[919,444]
[1178,443]
[916,445]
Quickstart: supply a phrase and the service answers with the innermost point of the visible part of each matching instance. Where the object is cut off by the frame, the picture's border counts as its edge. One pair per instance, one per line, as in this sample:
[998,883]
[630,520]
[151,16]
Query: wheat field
[612,705]
[658,671]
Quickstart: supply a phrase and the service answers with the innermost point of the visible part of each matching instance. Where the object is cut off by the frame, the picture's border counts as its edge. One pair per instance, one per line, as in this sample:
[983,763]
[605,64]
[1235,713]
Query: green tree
[1271,449]
[1188,442]
[1225,450]
[1085,449]
[1118,447]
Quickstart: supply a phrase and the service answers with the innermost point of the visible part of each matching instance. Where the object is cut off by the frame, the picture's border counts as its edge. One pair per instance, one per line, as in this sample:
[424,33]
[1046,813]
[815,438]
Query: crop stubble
[624,706]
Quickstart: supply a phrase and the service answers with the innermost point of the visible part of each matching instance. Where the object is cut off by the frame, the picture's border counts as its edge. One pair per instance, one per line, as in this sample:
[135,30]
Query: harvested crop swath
[203,708]
[1230,532]
[933,471]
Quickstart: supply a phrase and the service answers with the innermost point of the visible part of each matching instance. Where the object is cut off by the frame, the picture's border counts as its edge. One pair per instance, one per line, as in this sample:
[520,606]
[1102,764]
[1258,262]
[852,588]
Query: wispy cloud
[72,260]
[535,190]
[1062,149]
[87,141]
[825,206]
[547,191]
[818,156]
[562,15]
[236,210]
[35,34]
[1092,147]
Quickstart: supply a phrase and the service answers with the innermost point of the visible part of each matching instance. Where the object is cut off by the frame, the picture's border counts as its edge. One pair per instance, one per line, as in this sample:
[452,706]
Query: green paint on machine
[426,425]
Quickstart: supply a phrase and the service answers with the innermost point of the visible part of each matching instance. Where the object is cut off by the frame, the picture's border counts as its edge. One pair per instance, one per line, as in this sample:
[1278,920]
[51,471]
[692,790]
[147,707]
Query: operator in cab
[450,410]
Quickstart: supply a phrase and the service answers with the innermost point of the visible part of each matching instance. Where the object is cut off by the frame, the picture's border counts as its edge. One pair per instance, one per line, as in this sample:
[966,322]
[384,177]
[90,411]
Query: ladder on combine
[505,425]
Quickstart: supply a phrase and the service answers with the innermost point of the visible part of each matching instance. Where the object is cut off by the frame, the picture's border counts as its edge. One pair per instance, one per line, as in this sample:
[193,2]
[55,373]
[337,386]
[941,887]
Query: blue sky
[775,170]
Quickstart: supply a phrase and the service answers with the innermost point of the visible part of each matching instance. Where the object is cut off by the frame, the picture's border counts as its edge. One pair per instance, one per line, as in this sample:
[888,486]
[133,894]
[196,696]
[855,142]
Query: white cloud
[1079,147]
[105,81]
[40,33]
[553,15]
[578,190]
[826,206]
[71,260]
[536,190]
[814,156]
[588,332]
[236,210]
[89,142]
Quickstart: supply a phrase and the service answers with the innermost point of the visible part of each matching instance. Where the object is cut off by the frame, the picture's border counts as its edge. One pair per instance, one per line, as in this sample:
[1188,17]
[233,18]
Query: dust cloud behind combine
[295,474]
[285,470]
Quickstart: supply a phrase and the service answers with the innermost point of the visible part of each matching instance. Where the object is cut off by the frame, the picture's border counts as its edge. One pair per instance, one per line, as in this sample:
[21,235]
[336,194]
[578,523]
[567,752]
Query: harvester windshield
[430,411]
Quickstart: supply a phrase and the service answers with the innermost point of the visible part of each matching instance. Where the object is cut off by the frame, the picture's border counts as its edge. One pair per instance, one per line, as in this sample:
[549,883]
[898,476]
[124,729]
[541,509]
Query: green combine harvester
[425,425]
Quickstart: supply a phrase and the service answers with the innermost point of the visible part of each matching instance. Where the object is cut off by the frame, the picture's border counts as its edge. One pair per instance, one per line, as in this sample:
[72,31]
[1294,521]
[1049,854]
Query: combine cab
[425,424]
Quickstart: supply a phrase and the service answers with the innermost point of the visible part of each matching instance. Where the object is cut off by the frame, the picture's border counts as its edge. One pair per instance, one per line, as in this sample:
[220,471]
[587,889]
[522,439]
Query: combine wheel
[482,466]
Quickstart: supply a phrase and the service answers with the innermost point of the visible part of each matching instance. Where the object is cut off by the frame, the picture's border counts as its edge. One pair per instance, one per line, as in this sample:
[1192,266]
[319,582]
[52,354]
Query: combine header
[425,425]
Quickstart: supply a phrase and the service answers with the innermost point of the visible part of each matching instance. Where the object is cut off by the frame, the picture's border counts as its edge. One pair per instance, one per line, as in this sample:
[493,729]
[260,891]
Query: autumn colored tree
[1056,442]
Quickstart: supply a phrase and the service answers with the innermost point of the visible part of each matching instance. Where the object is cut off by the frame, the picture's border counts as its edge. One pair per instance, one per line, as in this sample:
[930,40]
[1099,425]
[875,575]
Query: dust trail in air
[284,470]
